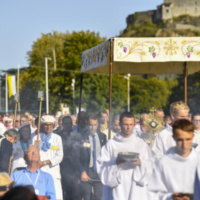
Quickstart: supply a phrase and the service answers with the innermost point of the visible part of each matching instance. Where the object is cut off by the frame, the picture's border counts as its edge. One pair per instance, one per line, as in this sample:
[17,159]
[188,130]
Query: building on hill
[168,10]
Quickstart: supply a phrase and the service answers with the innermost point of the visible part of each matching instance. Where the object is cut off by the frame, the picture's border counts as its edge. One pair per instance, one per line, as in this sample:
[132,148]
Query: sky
[23,21]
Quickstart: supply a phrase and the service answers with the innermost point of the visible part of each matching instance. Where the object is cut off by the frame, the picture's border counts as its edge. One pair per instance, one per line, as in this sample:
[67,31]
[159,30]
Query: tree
[148,93]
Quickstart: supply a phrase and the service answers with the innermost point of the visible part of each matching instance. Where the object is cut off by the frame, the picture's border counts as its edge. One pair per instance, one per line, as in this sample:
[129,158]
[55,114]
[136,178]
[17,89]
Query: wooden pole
[185,82]
[40,110]
[15,114]
[110,88]
[80,97]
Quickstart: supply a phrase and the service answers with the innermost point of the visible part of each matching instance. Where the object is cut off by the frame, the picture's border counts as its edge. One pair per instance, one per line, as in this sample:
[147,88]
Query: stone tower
[174,8]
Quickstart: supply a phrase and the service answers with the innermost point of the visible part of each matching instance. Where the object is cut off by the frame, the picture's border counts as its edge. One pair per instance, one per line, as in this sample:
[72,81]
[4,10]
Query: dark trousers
[86,187]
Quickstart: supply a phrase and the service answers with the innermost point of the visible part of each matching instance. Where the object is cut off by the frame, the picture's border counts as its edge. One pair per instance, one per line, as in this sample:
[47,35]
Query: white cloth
[197,183]
[18,156]
[2,128]
[164,141]
[172,174]
[125,181]
[137,130]
[197,133]
[47,118]
[55,155]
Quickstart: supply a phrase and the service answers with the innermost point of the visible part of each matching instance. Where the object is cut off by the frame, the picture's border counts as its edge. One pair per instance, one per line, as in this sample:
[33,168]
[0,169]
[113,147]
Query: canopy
[165,55]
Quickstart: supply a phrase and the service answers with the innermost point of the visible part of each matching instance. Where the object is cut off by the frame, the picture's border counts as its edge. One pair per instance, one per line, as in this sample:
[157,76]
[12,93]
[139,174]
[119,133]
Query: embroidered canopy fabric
[144,56]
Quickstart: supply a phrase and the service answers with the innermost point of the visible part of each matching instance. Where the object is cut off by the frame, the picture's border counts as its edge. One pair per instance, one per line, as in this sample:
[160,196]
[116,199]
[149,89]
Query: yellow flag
[11,85]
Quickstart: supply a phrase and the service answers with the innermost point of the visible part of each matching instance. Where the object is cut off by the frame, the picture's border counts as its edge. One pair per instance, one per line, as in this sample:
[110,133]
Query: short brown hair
[184,125]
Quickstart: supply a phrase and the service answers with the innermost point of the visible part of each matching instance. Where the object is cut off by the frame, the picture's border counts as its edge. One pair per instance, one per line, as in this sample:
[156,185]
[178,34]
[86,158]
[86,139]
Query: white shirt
[165,141]
[173,174]
[2,129]
[125,181]
[54,154]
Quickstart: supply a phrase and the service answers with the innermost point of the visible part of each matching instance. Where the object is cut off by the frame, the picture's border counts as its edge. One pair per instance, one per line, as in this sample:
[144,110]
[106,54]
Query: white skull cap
[47,118]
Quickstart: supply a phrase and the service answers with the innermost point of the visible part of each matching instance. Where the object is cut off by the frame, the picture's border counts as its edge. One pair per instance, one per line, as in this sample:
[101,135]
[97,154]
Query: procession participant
[20,147]
[68,172]
[139,129]
[6,183]
[59,127]
[17,121]
[74,120]
[81,126]
[160,113]
[24,118]
[7,122]
[41,181]
[125,179]
[164,139]
[2,128]
[167,120]
[51,152]
[196,122]
[84,159]
[115,125]
[6,147]
[174,174]
[103,124]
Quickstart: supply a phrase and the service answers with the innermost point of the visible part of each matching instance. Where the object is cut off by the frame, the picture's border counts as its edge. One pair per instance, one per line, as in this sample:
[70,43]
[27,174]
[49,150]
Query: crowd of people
[86,157]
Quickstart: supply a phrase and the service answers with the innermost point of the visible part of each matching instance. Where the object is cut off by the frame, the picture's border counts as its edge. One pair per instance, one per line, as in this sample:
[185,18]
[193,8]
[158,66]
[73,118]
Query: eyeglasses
[196,121]
[47,125]
[17,120]
[7,122]
[8,187]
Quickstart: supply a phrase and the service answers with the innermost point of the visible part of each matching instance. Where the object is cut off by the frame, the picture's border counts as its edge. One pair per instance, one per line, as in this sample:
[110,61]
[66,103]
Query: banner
[11,85]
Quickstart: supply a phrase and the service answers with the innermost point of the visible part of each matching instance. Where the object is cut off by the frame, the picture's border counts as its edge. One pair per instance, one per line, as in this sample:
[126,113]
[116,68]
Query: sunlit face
[67,124]
[183,141]
[8,124]
[181,114]
[196,122]
[47,127]
[74,120]
[127,126]
[116,126]
[33,154]
[93,125]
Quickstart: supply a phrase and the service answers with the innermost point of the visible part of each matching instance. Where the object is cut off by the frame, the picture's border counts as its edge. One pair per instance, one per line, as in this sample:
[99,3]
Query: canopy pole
[110,88]
[185,82]
[80,96]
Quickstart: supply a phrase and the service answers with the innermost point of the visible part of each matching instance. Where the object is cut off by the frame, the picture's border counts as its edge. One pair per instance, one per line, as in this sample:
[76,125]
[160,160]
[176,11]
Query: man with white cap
[51,152]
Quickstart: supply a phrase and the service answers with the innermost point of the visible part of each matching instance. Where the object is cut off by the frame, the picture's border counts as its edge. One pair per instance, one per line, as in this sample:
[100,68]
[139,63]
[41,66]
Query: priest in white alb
[125,179]
[174,174]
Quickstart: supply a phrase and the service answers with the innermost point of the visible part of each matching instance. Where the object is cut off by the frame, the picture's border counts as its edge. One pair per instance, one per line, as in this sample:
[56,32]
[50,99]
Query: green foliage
[135,17]
[148,93]
[193,91]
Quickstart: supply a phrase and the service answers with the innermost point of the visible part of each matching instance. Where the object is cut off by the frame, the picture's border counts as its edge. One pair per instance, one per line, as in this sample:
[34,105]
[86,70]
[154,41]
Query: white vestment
[164,141]
[55,155]
[125,181]
[173,174]
[197,183]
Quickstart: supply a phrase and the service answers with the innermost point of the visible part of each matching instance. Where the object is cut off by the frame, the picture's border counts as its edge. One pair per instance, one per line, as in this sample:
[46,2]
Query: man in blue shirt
[32,175]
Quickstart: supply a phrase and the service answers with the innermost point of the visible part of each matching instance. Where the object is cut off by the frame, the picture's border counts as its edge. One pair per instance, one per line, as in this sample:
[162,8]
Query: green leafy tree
[148,93]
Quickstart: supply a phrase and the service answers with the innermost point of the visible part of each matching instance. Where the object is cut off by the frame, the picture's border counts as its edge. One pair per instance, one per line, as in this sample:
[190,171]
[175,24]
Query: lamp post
[127,78]
[47,84]
[73,89]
